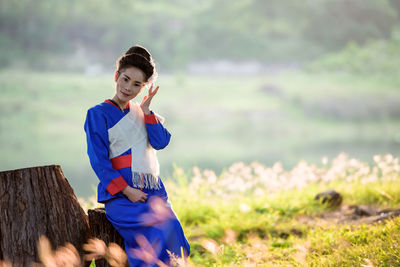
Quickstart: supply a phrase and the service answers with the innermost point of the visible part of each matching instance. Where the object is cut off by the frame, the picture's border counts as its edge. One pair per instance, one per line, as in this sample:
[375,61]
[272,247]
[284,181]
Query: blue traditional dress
[121,146]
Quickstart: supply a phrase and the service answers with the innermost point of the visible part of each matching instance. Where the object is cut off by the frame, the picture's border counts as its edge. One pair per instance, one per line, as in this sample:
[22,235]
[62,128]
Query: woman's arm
[98,148]
[159,137]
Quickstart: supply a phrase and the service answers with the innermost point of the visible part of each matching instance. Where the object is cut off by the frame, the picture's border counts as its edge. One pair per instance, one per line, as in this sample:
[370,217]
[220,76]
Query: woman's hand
[145,105]
[134,195]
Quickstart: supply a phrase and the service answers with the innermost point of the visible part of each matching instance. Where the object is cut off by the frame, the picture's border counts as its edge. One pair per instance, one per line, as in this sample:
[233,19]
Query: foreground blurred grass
[267,216]
[214,120]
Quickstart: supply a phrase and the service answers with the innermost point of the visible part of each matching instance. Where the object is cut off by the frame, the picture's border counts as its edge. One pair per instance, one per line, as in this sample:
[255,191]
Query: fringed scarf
[130,132]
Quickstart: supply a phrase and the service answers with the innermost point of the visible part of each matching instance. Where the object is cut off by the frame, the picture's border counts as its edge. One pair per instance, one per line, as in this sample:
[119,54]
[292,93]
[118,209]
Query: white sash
[130,132]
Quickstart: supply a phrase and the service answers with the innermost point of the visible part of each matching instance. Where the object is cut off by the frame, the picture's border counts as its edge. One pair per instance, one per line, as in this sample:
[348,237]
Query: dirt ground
[352,214]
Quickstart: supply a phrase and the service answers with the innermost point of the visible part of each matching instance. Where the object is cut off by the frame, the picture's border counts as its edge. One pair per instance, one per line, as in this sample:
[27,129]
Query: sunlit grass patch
[269,204]
[349,246]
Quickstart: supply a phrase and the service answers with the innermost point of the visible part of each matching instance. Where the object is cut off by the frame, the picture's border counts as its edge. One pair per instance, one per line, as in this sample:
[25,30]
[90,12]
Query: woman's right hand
[134,195]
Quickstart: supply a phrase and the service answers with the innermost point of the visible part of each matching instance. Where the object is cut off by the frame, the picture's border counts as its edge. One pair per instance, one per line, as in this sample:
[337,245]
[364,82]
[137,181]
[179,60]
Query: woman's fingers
[145,105]
[137,196]
[144,197]
[151,91]
[154,92]
[141,199]
[144,99]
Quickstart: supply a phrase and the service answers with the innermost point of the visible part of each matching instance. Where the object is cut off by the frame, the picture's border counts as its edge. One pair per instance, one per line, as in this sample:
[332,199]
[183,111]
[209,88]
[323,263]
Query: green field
[215,121]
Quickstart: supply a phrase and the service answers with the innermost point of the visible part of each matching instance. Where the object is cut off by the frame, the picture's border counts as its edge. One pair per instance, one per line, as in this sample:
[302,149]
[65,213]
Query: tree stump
[102,229]
[38,201]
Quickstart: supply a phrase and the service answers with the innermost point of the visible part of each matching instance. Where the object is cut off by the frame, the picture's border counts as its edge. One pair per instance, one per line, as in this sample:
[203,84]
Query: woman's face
[130,82]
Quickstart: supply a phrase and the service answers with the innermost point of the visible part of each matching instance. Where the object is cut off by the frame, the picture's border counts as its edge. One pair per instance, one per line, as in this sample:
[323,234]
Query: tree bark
[38,201]
[102,229]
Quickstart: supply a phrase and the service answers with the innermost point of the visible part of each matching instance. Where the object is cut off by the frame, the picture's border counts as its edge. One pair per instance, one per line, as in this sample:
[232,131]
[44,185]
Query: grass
[270,229]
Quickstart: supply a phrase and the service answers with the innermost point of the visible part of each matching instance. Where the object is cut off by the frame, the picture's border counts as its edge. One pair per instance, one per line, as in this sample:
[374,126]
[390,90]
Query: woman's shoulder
[104,112]
[99,108]
[97,117]
[97,112]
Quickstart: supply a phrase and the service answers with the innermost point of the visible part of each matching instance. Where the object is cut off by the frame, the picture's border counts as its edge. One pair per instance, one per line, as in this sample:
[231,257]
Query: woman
[122,139]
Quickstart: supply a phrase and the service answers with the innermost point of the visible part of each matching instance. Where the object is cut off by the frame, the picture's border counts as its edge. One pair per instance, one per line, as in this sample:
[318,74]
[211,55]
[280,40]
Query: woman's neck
[121,105]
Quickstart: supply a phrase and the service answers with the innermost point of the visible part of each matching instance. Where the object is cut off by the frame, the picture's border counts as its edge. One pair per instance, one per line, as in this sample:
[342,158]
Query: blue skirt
[151,230]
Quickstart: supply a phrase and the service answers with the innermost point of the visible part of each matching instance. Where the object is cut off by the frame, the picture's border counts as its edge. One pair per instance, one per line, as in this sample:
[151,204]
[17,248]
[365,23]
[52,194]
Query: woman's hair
[139,57]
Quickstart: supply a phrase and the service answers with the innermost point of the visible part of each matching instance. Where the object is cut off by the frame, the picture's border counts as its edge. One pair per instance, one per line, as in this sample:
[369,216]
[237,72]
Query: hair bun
[139,57]
[140,50]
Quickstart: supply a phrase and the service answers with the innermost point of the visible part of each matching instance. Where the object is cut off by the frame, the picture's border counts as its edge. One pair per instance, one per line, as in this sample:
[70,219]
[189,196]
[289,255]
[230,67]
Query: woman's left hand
[145,105]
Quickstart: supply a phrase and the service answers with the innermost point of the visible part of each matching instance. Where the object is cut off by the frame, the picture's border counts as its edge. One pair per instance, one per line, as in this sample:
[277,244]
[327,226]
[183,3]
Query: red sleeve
[150,118]
[116,185]
[159,137]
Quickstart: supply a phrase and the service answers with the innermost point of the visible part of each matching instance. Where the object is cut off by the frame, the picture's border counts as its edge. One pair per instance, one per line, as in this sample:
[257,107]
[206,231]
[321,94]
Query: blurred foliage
[375,57]
[48,34]
[336,23]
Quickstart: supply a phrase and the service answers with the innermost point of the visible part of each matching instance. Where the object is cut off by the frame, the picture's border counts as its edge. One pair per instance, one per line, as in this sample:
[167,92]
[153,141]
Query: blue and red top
[115,174]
